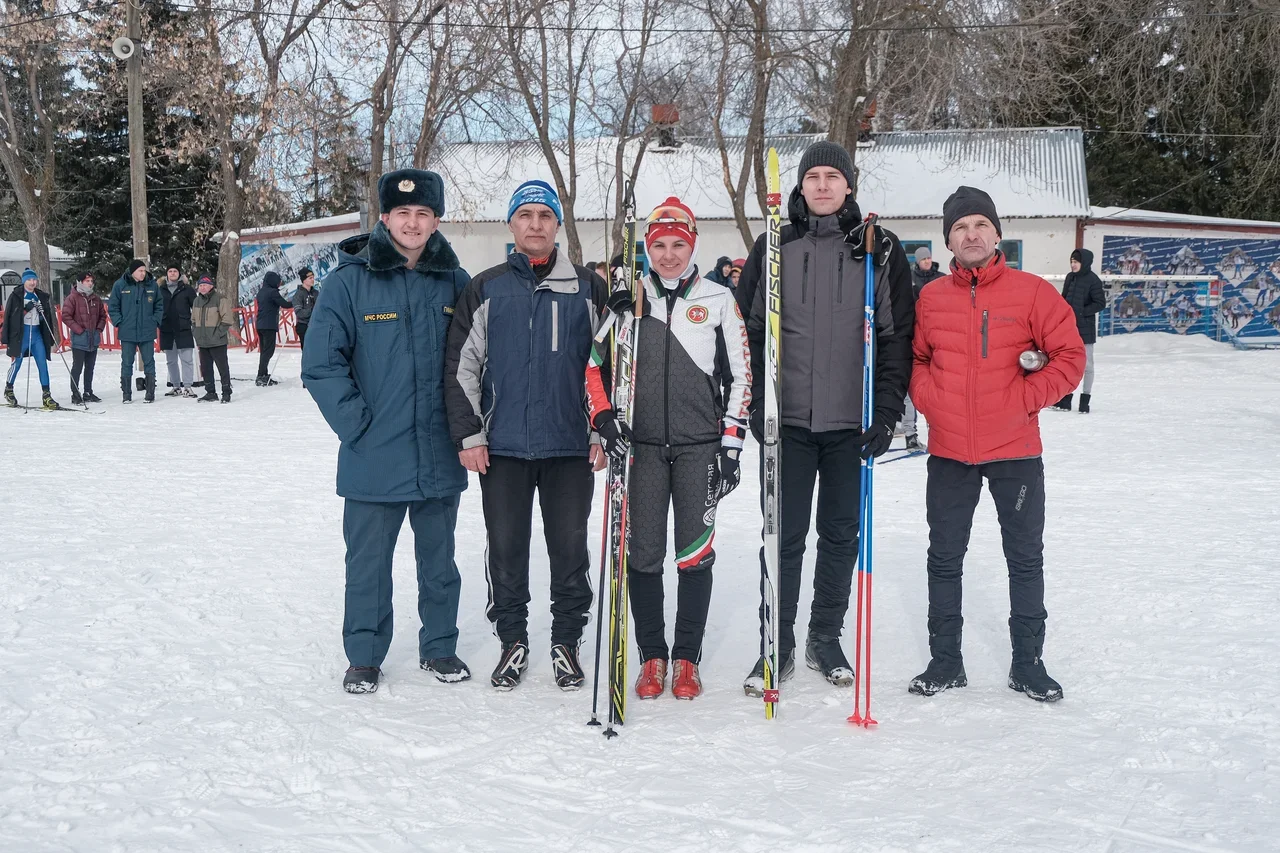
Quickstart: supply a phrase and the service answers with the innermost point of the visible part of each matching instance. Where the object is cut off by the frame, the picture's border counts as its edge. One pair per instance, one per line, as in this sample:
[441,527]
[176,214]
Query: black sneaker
[90,397]
[941,674]
[754,683]
[823,654]
[512,664]
[1064,405]
[913,442]
[361,679]
[209,397]
[450,670]
[565,666]
[76,399]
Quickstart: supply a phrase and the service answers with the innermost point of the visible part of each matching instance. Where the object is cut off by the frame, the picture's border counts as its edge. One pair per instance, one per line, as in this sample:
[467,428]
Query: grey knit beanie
[826,153]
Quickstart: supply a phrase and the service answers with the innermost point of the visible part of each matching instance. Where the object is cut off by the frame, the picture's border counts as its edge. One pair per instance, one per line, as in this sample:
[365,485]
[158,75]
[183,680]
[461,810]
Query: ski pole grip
[871,233]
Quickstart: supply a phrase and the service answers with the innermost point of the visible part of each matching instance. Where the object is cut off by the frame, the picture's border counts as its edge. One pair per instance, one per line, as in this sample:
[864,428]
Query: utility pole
[137,134]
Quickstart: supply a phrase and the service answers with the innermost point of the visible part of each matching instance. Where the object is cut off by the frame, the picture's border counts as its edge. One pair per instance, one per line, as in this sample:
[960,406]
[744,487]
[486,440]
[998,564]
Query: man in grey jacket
[823,286]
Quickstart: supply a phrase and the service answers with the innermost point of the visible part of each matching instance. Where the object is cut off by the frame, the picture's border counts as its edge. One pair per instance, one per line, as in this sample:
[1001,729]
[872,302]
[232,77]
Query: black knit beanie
[966,201]
[826,154]
[135,264]
[304,273]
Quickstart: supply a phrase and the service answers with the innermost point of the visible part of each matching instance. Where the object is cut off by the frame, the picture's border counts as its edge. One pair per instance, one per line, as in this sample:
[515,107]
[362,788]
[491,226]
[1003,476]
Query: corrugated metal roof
[1033,172]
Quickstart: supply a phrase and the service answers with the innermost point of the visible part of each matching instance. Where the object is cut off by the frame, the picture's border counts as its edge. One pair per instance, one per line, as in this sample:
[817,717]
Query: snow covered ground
[170,614]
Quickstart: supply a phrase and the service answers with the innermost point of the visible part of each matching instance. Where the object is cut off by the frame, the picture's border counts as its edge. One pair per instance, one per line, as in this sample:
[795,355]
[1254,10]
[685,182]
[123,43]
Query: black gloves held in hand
[724,475]
[615,434]
[876,440]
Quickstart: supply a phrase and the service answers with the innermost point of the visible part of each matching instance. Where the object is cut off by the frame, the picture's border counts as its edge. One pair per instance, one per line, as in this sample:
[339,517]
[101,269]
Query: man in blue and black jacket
[518,351]
[374,362]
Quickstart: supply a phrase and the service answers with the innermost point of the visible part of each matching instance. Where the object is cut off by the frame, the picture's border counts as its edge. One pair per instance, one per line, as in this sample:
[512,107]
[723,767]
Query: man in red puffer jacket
[983,412]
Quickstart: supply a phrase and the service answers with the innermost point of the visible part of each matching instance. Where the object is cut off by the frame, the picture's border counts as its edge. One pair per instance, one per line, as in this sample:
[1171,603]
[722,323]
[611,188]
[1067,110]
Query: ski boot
[511,665]
[564,663]
[450,670]
[652,679]
[1027,674]
[946,666]
[754,683]
[1064,405]
[10,400]
[361,679]
[47,402]
[913,442]
[1084,403]
[823,654]
[685,681]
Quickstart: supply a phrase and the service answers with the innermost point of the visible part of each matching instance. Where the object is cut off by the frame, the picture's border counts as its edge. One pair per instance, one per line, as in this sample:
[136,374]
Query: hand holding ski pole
[615,435]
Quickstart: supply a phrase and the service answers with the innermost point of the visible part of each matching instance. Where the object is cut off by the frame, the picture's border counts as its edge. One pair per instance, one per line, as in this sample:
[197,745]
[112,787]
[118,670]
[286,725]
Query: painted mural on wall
[1242,304]
[285,259]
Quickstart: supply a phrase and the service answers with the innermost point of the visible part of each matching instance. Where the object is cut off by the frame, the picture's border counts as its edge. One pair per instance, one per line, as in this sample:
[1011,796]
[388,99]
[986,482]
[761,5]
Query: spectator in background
[736,271]
[1083,292]
[924,270]
[720,275]
[602,269]
[86,316]
[269,303]
[213,319]
[136,310]
[304,302]
[176,342]
[28,331]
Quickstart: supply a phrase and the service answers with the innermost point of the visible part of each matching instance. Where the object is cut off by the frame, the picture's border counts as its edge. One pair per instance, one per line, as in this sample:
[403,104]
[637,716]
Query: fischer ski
[626,335]
[772,444]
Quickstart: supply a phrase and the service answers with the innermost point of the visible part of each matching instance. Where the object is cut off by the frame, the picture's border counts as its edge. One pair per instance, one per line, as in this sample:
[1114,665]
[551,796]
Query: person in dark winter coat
[374,363]
[269,303]
[735,272]
[518,351]
[1085,294]
[28,331]
[213,322]
[176,341]
[136,309]
[721,272]
[972,327]
[304,302]
[685,436]
[823,285]
[85,314]
[923,270]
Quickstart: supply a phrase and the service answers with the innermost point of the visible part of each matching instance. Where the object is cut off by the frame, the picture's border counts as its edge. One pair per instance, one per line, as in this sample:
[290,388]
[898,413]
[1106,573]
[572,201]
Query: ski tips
[773,182]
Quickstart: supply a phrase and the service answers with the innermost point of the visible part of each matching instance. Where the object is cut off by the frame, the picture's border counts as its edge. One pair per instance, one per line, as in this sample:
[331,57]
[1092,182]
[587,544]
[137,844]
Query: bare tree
[32,81]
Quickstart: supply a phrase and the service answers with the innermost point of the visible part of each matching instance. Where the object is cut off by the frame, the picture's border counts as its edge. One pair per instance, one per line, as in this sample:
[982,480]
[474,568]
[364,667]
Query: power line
[42,18]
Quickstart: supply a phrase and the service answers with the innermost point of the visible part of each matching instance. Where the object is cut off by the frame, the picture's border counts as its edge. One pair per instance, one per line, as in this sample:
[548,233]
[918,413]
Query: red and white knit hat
[673,218]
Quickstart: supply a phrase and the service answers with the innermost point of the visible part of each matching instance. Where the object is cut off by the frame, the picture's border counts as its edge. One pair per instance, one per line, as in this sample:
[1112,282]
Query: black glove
[724,474]
[615,434]
[32,305]
[620,301]
[876,440]
[755,421]
[857,238]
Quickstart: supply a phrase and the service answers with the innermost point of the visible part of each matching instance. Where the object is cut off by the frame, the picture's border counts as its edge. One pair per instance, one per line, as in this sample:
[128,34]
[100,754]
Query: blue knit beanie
[535,192]
[29,275]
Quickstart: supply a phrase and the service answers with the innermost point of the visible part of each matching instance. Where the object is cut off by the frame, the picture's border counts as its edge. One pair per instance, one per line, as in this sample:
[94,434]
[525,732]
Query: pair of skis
[616,529]
[772,452]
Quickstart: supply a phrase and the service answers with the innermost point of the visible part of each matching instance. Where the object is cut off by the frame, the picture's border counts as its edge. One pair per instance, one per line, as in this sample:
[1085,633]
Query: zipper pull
[973,291]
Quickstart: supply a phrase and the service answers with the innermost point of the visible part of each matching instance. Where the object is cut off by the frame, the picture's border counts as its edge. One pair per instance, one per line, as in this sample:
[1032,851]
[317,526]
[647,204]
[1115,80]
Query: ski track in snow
[170,642]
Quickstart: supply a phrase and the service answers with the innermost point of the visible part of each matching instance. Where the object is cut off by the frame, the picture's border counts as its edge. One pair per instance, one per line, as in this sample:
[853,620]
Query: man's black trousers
[832,460]
[564,486]
[210,356]
[1017,487]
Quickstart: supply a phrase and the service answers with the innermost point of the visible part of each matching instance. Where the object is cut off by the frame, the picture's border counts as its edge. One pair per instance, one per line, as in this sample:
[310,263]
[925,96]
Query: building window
[1012,250]
[910,246]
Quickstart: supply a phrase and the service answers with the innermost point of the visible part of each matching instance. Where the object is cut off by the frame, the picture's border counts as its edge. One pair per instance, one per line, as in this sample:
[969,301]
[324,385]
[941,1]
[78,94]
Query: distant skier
[983,410]
[136,309]
[686,439]
[85,314]
[28,332]
[375,369]
[1085,294]
[823,285]
[518,351]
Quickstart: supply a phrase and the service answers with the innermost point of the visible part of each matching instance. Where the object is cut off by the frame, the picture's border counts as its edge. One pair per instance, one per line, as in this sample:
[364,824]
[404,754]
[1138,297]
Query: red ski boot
[685,681]
[653,679]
